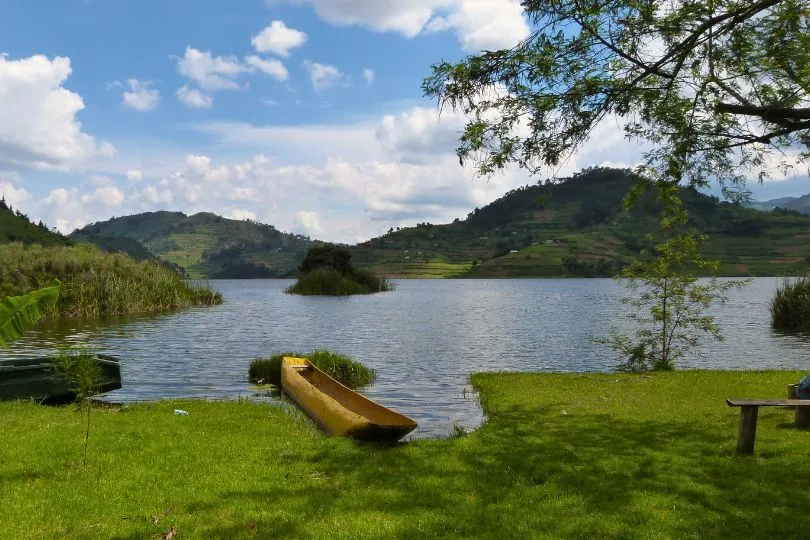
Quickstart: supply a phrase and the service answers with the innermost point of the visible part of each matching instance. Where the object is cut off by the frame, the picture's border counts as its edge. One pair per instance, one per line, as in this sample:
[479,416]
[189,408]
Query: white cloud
[278,39]
[12,195]
[368,75]
[134,175]
[478,24]
[191,97]
[154,196]
[243,194]
[210,72]
[141,96]
[239,214]
[271,67]
[419,134]
[109,195]
[323,76]
[198,164]
[347,182]
[69,209]
[38,116]
[310,222]
[100,180]
[484,24]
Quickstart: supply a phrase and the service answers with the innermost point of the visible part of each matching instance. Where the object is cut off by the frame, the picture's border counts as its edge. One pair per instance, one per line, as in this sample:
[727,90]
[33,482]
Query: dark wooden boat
[34,378]
[338,409]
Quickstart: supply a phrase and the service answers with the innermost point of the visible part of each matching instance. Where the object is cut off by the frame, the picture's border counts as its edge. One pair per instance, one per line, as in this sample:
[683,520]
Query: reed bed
[95,283]
[341,368]
[790,306]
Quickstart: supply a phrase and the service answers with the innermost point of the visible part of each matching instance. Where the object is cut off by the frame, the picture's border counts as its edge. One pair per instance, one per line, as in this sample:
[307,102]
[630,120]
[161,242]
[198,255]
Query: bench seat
[749,411]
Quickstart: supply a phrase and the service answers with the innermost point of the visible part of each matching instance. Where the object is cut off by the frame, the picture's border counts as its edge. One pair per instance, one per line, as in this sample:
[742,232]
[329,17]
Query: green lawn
[577,456]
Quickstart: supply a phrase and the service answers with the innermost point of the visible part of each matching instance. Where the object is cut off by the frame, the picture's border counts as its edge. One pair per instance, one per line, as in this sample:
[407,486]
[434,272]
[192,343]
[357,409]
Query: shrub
[329,282]
[341,368]
[790,306]
[327,271]
[95,283]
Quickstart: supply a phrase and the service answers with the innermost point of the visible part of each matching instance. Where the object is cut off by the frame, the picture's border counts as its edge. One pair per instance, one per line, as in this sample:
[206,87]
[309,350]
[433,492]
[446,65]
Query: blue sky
[306,114]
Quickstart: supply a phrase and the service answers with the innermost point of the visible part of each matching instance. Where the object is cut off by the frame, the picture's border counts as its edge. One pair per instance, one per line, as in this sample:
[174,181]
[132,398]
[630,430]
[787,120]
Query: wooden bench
[749,410]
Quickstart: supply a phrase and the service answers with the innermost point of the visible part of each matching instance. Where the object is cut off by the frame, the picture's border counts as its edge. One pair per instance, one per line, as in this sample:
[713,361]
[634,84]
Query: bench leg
[748,429]
[803,417]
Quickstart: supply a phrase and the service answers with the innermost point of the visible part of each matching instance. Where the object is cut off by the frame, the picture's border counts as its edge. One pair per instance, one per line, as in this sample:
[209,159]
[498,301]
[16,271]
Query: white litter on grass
[180,412]
[564,412]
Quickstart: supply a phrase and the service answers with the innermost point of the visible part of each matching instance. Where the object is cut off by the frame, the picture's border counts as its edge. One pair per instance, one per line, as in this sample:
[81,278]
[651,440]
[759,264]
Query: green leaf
[16,312]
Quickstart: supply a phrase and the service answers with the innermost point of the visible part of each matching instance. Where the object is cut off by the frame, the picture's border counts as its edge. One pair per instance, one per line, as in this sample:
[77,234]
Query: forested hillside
[206,245]
[579,227]
[17,227]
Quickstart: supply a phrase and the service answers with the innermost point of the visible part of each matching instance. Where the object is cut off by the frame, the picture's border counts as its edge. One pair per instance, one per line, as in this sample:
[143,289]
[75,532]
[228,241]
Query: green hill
[576,227]
[16,227]
[798,204]
[579,227]
[206,245]
[112,243]
[772,203]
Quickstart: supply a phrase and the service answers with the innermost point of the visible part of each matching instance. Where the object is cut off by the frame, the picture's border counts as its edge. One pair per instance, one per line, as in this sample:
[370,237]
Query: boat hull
[338,409]
[34,379]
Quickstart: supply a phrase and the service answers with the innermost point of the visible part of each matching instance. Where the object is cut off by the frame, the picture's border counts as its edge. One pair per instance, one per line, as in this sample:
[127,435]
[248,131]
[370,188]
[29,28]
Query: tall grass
[95,283]
[341,368]
[790,306]
[329,282]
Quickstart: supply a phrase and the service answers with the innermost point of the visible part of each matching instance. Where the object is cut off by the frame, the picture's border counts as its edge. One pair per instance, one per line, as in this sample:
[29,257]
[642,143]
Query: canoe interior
[375,422]
[33,378]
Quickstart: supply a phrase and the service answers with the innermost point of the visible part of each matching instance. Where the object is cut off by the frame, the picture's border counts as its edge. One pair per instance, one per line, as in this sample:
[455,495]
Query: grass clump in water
[327,271]
[341,368]
[790,306]
[95,283]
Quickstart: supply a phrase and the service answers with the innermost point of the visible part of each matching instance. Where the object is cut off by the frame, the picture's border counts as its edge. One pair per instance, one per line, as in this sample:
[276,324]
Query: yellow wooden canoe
[338,409]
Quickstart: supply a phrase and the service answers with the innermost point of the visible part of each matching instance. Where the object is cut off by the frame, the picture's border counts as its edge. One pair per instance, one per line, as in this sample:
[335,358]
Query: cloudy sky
[306,114]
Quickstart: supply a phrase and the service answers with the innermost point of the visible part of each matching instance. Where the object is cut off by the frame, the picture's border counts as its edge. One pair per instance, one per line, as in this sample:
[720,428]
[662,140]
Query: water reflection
[425,338]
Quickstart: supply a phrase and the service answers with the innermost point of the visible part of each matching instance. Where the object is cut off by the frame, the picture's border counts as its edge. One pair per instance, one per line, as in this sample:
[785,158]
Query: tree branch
[773,114]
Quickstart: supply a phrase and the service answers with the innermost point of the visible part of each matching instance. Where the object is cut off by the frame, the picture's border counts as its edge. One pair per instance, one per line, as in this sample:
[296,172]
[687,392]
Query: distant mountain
[204,245]
[771,204]
[16,227]
[579,227]
[800,204]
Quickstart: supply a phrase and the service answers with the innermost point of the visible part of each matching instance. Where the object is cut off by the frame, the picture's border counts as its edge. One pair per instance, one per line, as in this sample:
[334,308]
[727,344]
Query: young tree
[669,303]
[717,86]
[81,368]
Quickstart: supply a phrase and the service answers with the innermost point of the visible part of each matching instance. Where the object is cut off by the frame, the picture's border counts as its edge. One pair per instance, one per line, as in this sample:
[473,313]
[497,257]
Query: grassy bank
[341,368]
[95,283]
[632,457]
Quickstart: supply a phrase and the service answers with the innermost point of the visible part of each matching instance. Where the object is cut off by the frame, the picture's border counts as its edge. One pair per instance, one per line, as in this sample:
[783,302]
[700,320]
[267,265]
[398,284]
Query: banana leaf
[17,312]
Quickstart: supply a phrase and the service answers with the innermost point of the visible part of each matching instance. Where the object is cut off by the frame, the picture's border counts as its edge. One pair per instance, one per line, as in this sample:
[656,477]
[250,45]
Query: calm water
[424,339]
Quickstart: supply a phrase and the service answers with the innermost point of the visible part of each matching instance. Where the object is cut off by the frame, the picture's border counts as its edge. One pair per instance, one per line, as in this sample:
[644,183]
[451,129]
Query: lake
[424,339]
